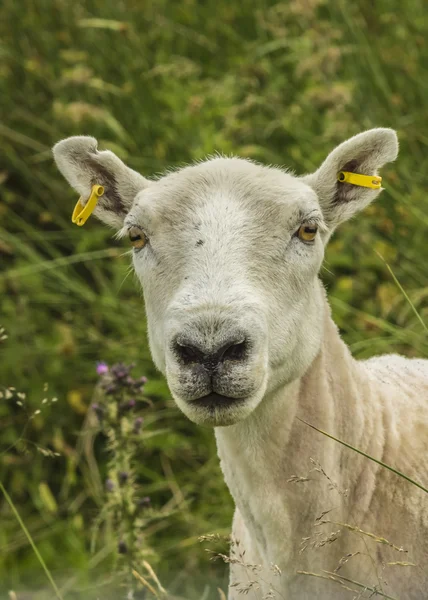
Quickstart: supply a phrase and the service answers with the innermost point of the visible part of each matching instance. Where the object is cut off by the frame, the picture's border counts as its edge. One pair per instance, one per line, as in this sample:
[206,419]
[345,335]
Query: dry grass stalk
[345,559]
[253,572]
[245,588]
[332,484]
[232,559]
[153,575]
[297,479]
[145,583]
[355,529]
[317,468]
[214,537]
[317,541]
[221,594]
[344,580]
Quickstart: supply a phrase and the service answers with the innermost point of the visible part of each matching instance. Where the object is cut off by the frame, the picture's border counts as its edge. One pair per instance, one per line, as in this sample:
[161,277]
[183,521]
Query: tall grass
[163,83]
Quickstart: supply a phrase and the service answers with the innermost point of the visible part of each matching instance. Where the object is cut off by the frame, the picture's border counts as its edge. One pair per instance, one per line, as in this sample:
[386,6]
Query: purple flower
[128,405]
[138,423]
[102,368]
[109,485]
[120,371]
[110,388]
[140,382]
[143,501]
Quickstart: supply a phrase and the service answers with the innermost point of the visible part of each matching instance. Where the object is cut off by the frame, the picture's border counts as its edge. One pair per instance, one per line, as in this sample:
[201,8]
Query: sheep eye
[307,232]
[137,237]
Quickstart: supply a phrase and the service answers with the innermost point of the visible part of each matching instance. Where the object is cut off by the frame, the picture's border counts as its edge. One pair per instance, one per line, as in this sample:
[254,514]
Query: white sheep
[228,253]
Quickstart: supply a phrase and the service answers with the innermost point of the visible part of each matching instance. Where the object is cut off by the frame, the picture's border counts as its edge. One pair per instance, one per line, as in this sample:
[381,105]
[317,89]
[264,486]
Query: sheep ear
[83,166]
[364,153]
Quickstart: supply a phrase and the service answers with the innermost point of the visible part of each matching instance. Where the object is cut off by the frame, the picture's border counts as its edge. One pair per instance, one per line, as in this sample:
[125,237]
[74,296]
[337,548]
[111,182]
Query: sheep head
[228,253]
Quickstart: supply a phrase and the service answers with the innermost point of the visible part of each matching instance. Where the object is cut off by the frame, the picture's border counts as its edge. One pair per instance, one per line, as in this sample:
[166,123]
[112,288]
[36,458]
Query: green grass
[164,83]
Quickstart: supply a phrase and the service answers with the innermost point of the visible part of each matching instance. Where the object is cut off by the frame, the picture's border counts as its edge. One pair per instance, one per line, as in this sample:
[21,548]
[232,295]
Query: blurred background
[161,84]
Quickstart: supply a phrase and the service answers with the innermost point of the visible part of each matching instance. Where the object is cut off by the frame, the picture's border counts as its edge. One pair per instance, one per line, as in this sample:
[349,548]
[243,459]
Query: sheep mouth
[214,401]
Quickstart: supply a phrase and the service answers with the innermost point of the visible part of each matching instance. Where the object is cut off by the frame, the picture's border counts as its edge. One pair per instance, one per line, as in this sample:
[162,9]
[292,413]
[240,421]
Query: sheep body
[379,406]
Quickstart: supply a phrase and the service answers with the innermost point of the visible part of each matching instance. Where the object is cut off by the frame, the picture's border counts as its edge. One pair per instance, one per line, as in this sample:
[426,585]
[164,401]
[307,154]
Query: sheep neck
[261,455]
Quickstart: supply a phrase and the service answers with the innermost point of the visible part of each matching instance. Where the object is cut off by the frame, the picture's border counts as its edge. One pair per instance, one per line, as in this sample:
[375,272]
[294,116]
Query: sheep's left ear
[364,153]
[83,166]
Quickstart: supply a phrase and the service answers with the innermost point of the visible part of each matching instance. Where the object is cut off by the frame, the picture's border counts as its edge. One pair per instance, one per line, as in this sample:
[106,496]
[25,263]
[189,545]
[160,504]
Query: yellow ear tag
[82,213]
[370,181]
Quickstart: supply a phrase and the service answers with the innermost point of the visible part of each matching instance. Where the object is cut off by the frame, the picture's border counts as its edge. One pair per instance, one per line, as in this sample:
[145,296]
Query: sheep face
[229,272]
[228,254]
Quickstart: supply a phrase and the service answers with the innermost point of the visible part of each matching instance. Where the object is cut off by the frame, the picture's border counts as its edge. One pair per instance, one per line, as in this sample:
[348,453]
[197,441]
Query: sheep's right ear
[83,166]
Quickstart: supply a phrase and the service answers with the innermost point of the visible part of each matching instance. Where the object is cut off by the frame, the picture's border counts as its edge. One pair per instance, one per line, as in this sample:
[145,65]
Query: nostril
[234,351]
[188,353]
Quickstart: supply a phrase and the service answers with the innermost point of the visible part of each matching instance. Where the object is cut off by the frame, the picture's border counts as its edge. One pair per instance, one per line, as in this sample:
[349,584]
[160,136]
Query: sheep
[228,253]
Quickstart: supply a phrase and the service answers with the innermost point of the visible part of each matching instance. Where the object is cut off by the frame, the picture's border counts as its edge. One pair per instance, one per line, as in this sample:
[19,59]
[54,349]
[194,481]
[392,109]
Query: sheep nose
[188,352]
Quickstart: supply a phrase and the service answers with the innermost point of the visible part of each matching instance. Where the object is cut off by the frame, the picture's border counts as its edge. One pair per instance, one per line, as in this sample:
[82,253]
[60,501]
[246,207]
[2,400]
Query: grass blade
[379,462]
[402,290]
[31,541]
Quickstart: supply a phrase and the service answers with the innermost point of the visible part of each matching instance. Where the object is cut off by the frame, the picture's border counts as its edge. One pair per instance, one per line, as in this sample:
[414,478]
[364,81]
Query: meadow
[163,84]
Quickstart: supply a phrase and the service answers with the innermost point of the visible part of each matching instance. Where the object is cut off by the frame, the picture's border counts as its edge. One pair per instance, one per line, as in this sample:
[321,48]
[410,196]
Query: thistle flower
[118,400]
[128,405]
[102,368]
[122,548]
[138,423]
[143,501]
